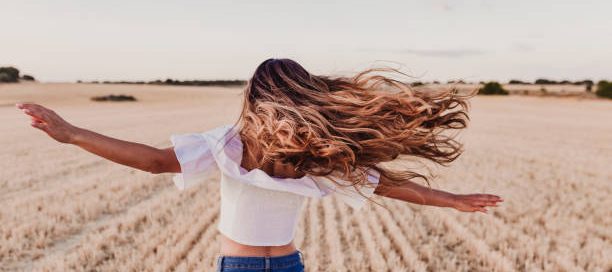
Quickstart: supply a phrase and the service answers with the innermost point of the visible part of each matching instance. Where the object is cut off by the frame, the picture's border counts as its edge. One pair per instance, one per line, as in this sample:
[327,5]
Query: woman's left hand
[475,202]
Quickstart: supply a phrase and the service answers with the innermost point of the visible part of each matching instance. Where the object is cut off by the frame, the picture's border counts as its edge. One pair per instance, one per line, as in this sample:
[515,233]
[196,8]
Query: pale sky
[146,40]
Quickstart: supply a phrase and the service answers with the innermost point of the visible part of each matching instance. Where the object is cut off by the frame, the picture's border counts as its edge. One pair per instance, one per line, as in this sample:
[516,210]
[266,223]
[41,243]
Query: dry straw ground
[64,209]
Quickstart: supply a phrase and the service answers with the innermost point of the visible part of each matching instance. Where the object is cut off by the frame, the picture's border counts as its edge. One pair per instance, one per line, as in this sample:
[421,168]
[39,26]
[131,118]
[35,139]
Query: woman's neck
[272,168]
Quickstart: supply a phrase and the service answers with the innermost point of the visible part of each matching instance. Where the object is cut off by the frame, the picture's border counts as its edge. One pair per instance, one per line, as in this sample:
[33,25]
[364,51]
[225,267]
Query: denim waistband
[260,262]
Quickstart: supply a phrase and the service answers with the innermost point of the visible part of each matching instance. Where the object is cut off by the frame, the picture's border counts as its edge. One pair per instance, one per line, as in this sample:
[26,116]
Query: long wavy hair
[340,127]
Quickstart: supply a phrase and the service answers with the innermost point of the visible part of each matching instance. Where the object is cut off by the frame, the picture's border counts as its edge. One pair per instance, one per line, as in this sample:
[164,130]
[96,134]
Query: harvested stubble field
[64,209]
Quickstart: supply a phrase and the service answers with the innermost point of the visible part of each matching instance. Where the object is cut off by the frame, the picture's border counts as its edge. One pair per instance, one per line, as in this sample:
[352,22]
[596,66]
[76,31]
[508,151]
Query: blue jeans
[287,263]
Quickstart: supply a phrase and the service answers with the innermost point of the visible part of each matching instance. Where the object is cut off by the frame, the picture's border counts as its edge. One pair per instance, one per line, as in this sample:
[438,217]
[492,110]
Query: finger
[487,198]
[490,203]
[37,112]
[23,104]
[493,197]
[28,105]
[480,203]
[32,107]
[34,113]
[34,119]
[39,125]
[44,111]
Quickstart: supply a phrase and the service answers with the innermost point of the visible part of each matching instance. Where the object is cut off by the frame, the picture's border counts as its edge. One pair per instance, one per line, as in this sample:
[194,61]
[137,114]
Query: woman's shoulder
[224,141]
[221,136]
[221,131]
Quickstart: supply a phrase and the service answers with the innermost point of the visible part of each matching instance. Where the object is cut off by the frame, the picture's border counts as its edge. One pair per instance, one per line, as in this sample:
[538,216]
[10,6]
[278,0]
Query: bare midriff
[231,248]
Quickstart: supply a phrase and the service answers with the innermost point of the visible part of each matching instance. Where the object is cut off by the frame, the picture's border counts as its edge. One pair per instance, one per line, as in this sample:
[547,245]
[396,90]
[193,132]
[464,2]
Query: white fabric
[256,209]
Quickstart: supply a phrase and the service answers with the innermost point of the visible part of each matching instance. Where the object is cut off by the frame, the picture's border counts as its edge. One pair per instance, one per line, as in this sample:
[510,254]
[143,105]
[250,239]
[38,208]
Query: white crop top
[256,209]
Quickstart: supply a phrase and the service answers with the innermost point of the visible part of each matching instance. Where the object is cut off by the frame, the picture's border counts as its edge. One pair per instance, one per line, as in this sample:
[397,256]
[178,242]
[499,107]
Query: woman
[299,135]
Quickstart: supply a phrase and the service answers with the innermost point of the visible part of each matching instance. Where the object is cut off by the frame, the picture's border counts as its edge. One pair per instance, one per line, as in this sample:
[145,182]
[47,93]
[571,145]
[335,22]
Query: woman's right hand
[475,202]
[50,122]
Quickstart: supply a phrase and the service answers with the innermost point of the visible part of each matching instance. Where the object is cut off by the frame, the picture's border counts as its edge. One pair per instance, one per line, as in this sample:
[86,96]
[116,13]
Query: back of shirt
[256,208]
[251,215]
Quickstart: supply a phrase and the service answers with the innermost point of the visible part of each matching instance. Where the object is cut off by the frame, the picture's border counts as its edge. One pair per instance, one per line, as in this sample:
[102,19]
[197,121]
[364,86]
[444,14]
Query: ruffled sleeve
[195,158]
[349,194]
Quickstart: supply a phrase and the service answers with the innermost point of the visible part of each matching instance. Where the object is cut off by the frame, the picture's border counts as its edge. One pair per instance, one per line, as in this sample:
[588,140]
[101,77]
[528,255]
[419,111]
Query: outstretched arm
[415,193]
[139,156]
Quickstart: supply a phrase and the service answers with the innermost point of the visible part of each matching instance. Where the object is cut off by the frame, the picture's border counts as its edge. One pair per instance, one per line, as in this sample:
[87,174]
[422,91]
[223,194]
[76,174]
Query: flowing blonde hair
[326,125]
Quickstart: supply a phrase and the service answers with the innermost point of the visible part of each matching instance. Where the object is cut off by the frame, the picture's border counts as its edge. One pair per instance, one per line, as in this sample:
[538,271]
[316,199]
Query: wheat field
[67,210]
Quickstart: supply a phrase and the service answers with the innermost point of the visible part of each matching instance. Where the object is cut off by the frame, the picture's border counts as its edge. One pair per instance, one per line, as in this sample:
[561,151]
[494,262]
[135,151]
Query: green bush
[543,81]
[9,74]
[492,88]
[112,97]
[604,89]
[28,78]
[516,81]
[589,86]
[5,78]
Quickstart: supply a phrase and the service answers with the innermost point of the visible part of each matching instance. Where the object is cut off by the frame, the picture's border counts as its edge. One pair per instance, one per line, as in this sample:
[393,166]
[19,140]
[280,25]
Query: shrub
[604,89]
[584,82]
[589,86]
[492,88]
[28,78]
[516,81]
[5,78]
[9,74]
[113,97]
[543,81]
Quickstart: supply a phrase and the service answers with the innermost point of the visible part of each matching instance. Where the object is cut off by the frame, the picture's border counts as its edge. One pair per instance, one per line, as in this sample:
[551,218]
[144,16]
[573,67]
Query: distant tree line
[539,81]
[543,81]
[12,75]
[169,81]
